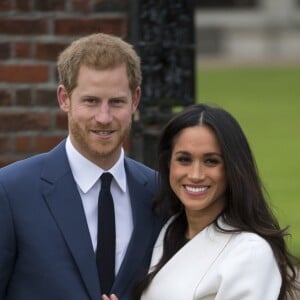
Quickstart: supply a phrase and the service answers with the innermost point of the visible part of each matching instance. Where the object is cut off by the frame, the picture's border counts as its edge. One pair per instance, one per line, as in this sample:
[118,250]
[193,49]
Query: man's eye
[90,100]
[117,101]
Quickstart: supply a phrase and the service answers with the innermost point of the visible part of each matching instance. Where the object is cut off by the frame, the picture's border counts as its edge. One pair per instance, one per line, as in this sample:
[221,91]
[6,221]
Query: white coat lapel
[186,269]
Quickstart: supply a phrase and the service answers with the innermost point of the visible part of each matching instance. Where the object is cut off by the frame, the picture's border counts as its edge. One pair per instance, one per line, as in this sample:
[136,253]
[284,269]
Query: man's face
[100,113]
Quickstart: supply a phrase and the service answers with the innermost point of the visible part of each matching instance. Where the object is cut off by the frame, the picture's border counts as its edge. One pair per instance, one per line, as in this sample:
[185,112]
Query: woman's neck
[196,223]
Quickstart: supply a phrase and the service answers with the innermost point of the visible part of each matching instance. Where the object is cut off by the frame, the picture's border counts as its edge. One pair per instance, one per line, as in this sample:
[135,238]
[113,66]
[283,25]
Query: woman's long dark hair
[246,208]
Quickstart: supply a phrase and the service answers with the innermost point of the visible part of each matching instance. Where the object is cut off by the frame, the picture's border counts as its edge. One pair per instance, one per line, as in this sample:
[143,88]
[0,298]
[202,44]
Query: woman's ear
[63,98]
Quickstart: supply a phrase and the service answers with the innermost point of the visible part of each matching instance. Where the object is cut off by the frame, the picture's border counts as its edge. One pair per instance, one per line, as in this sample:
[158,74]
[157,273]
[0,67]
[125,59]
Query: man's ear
[136,98]
[63,98]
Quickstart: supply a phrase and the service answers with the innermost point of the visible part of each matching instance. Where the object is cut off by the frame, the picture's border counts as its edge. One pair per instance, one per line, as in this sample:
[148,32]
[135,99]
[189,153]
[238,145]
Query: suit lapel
[144,226]
[64,202]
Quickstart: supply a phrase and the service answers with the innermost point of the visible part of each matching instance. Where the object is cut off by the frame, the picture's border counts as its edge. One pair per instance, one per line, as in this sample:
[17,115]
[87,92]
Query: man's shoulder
[131,163]
[140,173]
[25,167]
[26,163]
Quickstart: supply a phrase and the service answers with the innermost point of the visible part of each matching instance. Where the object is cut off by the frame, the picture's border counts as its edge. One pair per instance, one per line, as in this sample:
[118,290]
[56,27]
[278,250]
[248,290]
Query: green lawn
[266,102]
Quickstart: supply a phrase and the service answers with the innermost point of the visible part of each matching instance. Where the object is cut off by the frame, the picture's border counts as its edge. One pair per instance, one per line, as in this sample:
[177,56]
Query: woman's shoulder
[244,237]
[248,259]
[248,236]
[251,248]
[250,239]
[244,245]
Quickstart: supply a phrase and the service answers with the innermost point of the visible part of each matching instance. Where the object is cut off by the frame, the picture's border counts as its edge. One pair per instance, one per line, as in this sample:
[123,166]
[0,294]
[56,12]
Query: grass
[265,101]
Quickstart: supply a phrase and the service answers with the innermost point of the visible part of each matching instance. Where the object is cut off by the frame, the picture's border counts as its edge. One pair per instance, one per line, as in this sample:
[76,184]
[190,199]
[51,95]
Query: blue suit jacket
[45,248]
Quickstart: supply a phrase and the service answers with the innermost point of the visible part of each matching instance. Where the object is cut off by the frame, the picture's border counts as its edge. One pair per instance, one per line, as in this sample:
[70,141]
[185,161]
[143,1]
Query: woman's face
[197,172]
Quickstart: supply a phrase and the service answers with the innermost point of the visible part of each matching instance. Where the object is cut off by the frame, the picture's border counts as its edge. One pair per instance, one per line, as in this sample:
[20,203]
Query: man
[49,203]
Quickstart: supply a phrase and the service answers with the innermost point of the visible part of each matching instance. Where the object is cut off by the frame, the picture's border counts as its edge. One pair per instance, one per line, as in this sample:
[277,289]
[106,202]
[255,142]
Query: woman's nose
[197,172]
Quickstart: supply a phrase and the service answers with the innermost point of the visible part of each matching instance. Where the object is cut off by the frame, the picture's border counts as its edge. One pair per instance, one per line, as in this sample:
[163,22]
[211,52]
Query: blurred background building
[241,31]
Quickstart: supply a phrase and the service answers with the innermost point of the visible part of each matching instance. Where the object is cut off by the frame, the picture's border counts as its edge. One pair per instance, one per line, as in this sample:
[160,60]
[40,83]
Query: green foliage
[266,102]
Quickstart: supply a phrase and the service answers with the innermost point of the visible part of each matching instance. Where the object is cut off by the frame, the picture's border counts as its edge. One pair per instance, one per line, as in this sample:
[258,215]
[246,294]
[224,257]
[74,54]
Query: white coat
[216,265]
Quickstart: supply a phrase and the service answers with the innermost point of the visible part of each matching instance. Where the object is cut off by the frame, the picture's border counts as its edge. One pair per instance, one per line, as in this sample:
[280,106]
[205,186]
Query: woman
[222,241]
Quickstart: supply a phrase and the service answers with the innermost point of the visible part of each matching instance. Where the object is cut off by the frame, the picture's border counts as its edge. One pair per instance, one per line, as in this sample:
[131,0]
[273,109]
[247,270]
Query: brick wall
[32,33]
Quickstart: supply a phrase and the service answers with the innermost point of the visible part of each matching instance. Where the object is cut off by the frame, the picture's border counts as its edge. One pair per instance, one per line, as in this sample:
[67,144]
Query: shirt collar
[86,173]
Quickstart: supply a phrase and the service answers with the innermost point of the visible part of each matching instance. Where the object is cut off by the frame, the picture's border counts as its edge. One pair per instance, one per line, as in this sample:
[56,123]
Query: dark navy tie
[106,242]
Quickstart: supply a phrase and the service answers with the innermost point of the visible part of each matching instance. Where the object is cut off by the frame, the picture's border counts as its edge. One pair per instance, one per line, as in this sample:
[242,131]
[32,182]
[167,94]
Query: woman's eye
[211,161]
[183,159]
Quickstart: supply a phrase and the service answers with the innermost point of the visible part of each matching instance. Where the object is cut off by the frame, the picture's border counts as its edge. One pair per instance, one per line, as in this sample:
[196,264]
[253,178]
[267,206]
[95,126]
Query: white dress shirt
[87,177]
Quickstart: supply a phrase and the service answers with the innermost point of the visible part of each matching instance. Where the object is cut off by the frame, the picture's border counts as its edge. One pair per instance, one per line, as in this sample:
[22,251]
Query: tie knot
[106,179]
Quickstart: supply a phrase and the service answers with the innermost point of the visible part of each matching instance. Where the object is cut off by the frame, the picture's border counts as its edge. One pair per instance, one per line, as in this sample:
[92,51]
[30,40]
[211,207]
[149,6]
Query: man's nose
[103,114]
